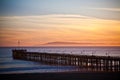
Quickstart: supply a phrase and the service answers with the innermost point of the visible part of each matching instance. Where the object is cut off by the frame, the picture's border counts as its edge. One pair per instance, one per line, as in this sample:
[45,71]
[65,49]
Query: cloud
[49,28]
[41,21]
[108,9]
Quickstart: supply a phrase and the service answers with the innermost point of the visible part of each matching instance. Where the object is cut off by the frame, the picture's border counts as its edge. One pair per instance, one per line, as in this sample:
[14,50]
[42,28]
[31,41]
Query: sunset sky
[38,22]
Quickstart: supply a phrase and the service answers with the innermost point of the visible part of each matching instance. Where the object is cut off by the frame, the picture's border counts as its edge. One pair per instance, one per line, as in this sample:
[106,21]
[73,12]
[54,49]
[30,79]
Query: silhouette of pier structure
[89,62]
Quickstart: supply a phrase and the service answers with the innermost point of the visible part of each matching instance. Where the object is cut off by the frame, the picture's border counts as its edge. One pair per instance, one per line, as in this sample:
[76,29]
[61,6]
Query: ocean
[8,65]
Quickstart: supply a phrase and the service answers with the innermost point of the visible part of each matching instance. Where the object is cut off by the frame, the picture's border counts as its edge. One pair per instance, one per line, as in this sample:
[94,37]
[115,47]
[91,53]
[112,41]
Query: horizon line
[62,46]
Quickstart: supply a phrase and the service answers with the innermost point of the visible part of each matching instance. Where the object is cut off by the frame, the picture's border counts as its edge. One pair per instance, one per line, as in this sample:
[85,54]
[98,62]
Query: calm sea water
[8,65]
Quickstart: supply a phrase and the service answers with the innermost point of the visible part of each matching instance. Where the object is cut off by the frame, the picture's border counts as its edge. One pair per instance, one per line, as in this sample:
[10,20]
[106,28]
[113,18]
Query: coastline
[63,76]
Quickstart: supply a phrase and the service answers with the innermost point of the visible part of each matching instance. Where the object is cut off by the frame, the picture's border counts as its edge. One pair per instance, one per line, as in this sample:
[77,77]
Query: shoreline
[62,76]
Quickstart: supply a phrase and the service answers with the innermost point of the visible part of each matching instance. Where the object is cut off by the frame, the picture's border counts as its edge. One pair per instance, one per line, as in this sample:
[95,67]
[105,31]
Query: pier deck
[89,62]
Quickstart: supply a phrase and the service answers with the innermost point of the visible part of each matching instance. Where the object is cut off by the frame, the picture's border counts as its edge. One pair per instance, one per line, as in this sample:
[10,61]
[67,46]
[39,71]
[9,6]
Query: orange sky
[37,30]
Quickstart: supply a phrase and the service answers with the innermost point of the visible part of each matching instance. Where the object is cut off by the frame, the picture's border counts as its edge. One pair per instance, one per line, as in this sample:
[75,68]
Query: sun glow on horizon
[37,30]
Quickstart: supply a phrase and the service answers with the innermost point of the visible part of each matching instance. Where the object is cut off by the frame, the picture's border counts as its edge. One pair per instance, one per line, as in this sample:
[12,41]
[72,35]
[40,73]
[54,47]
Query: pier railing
[95,63]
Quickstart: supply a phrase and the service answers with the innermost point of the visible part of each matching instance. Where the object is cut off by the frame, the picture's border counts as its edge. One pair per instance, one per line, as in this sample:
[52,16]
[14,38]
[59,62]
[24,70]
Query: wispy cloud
[108,9]
[33,30]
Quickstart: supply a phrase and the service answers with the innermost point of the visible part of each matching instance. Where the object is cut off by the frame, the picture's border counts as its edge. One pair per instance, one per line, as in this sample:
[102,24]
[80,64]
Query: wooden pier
[94,63]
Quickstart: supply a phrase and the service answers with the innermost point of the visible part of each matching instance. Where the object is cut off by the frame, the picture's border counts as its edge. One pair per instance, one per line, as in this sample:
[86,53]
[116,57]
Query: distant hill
[70,43]
[61,43]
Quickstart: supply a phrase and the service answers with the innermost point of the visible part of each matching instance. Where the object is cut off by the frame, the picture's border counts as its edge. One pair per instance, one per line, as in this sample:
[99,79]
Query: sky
[38,22]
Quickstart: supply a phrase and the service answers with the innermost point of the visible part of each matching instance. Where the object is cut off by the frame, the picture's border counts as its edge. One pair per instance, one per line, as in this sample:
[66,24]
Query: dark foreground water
[8,65]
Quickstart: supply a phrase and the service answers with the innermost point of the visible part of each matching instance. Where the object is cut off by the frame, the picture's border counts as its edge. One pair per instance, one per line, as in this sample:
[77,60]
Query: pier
[89,62]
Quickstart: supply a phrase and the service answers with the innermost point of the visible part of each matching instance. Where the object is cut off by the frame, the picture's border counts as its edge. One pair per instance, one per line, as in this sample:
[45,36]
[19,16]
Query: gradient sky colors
[37,22]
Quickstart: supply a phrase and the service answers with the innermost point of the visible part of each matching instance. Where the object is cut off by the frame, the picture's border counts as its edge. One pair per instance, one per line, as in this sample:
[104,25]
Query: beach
[63,76]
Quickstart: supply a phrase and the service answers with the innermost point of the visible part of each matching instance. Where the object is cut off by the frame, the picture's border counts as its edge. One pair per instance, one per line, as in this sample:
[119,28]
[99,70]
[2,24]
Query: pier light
[92,53]
[81,52]
[107,54]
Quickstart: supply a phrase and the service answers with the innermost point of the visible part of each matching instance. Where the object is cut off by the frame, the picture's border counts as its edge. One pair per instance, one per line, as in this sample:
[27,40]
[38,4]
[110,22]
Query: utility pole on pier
[18,43]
